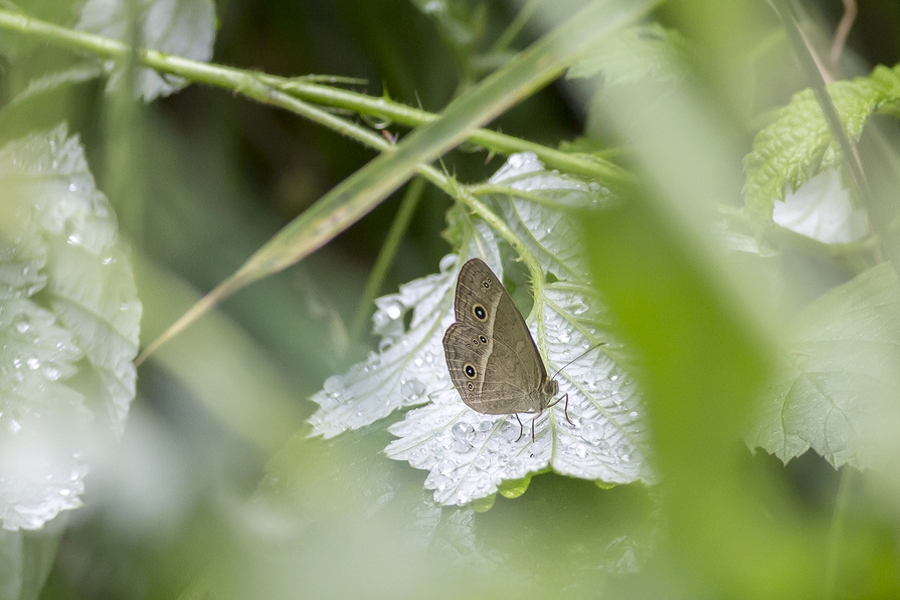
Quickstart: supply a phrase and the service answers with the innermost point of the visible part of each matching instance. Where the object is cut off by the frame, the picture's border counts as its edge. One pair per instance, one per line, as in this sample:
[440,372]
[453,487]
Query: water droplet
[484,426]
[52,373]
[75,238]
[564,337]
[633,414]
[592,432]
[613,376]
[624,449]
[411,390]
[461,446]
[446,466]
[33,363]
[444,439]
[385,344]
[108,260]
[463,431]
[579,450]
[393,312]
[22,327]
[482,461]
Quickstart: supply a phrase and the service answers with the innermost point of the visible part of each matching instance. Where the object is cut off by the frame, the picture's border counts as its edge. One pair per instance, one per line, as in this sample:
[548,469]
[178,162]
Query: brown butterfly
[493,360]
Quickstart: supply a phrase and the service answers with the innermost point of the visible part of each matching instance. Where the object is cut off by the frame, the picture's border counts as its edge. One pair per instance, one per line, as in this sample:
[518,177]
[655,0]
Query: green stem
[273,90]
[836,531]
[387,254]
[518,23]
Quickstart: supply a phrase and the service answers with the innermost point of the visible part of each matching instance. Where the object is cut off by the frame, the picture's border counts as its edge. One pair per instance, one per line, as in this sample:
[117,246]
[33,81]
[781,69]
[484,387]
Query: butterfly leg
[566,409]
[521,427]
[532,427]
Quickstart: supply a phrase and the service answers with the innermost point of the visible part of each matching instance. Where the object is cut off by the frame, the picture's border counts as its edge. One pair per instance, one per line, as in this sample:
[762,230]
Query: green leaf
[836,390]
[185,28]
[69,321]
[797,145]
[649,52]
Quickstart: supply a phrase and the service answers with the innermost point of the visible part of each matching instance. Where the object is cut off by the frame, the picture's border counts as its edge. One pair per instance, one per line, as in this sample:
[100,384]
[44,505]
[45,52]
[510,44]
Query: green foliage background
[216,490]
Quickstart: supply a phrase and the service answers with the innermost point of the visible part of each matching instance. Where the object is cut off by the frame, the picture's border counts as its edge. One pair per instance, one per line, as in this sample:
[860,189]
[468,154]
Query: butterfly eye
[470,371]
[470,386]
[487,284]
[479,312]
[483,339]
[475,341]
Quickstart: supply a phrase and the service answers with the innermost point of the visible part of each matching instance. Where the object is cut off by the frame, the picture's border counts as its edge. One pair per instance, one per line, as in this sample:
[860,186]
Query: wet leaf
[69,321]
[545,224]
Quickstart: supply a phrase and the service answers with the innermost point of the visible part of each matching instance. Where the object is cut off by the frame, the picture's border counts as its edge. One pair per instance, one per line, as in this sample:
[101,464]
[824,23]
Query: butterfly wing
[492,358]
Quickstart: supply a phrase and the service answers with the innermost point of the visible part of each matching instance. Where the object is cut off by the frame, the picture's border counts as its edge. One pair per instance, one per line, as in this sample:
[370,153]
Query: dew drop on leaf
[461,446]
[482,461]
[411,390]
[446,466]
[463,431]
[592,432]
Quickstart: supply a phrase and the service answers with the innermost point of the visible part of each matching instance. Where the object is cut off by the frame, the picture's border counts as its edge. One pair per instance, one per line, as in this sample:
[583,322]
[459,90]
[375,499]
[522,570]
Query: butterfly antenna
[595,346]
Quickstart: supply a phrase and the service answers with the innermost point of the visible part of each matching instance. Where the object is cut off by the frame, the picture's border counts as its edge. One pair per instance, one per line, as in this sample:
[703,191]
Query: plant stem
[836,531]
[264,88]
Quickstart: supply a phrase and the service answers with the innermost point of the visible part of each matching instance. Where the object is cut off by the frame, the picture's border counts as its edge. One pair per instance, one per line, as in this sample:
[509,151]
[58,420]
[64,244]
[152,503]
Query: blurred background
[216,491]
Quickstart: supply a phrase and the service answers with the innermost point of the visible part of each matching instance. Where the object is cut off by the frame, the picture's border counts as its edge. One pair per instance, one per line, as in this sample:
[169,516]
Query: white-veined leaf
[69,319]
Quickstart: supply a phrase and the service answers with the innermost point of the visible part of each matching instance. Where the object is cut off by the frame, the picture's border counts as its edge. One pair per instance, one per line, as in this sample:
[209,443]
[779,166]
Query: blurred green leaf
[634,54]
[834,390]
[67,293]
[26,558]
[185,28]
